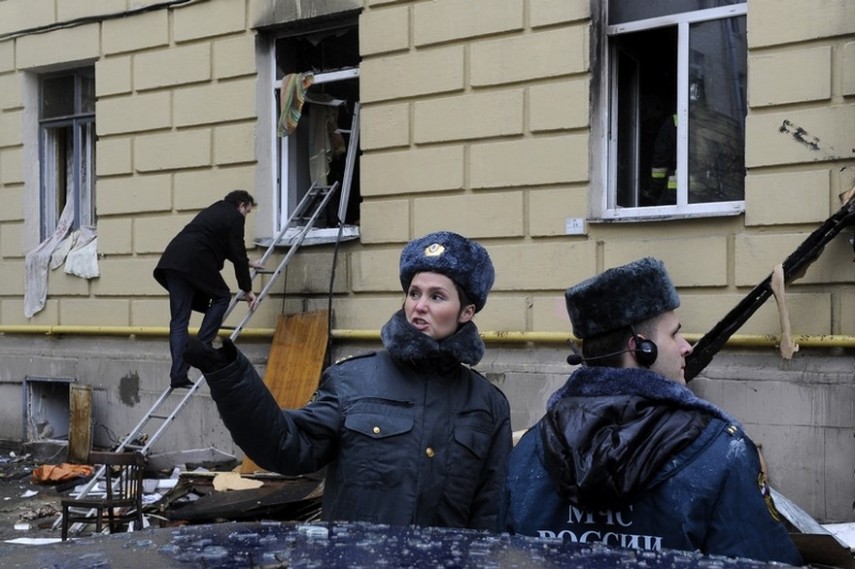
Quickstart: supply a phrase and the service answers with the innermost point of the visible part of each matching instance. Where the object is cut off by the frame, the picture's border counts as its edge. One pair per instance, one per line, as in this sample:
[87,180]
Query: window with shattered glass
[316,92]
[674,113]
[67,149]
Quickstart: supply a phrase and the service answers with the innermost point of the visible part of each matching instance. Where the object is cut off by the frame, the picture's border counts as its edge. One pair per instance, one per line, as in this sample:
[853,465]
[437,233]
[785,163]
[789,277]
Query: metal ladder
[315,200]
[319,195]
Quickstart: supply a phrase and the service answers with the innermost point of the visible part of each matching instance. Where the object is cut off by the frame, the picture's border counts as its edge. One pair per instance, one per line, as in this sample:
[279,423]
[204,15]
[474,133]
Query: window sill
[315,236]
[667,213]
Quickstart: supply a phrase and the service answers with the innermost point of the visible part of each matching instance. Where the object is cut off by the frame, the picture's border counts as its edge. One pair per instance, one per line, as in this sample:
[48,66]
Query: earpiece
[645,352]
[574,359]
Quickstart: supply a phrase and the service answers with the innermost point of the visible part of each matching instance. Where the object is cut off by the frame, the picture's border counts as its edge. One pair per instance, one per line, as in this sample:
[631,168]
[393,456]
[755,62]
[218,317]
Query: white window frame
[273,182]
[603,205]
[285,182]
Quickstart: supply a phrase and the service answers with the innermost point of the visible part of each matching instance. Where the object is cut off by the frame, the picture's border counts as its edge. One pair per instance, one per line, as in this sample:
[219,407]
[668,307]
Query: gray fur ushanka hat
[462,260]
[620,297]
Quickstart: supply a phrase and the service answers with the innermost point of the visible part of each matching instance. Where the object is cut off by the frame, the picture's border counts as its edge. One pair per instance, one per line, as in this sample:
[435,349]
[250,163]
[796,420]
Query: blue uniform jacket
[647,465]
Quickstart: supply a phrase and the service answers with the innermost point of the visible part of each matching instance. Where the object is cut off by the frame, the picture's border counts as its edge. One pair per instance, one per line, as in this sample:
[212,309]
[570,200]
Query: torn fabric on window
[77,249]
[291,97]
[82,259]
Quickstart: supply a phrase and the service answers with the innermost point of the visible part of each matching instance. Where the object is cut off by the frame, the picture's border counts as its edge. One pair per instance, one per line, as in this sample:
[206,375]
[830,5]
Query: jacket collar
[404,342]
[598,381]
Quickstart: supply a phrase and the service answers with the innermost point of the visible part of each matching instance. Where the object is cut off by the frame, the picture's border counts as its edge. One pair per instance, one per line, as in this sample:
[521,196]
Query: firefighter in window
[663,166]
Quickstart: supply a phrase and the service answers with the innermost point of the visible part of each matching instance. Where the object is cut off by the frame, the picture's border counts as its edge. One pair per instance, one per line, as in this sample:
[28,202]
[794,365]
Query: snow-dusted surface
[845,533]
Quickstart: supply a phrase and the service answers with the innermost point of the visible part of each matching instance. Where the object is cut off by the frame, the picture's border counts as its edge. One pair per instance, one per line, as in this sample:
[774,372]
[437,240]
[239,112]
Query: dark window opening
[317,151]
[678,104]
[67,150]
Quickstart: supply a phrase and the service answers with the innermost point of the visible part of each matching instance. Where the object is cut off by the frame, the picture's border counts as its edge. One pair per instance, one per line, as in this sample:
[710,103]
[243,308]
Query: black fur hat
[462,260]
[620,297]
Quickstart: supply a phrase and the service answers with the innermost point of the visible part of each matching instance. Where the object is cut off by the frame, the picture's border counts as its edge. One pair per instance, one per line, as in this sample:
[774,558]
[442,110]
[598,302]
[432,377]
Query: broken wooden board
[284,498]
[816,544]
[210,458]
[295,362]
[823,549]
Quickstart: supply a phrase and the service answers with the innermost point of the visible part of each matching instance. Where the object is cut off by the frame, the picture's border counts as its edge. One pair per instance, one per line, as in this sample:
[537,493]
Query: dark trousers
[181,294]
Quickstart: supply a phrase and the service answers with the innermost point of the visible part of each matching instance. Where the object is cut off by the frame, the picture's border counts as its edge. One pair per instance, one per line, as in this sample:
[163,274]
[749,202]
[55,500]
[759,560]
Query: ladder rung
[161,417]
[264,271]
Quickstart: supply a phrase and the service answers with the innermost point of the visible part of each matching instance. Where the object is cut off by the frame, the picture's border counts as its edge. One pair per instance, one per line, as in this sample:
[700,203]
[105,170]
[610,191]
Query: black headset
[645,352]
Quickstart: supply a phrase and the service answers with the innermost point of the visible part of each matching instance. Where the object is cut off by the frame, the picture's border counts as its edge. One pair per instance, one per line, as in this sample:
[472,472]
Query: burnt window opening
[317,150]
[677,107]
[67,149]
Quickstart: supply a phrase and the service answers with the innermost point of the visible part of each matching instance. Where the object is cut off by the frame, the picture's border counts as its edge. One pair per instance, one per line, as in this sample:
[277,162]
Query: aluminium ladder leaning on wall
[158,411]
[316,198]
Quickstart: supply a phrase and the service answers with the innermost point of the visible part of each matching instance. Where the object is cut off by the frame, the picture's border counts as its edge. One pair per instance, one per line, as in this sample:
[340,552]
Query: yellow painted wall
[475,119]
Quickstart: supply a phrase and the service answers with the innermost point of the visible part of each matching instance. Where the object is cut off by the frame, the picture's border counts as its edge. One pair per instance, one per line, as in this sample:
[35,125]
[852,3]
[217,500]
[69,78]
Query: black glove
[205,358]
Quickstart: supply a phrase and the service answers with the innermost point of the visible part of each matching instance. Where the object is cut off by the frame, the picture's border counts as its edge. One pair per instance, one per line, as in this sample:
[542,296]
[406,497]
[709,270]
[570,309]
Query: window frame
[603,203]
[277,195]
[284,201]
[81,136]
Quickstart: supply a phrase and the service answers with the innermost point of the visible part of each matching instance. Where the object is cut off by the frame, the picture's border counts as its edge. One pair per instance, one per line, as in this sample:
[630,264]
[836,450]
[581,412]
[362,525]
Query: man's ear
[466,314]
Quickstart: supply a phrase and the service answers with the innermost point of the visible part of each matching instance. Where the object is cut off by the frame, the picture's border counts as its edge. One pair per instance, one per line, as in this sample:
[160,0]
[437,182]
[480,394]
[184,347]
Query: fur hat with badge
[462,260]
[620,297]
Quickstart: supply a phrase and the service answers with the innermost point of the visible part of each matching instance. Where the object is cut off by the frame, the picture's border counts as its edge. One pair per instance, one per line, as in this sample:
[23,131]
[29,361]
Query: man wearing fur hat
[410,434]
[626,455]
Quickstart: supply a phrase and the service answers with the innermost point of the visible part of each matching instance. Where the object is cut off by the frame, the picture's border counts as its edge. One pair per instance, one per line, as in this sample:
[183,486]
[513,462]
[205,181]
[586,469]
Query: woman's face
[433,306]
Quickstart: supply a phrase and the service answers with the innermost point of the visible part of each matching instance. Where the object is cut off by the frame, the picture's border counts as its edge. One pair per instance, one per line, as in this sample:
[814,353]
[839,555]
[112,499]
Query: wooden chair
[122,498]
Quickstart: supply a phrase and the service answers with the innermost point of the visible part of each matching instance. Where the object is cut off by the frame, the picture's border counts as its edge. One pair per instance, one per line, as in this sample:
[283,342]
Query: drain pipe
[356,335]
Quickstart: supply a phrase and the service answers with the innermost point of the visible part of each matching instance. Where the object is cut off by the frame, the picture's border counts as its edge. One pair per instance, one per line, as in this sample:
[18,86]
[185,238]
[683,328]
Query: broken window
[675,120]
[321,68]
[67,149]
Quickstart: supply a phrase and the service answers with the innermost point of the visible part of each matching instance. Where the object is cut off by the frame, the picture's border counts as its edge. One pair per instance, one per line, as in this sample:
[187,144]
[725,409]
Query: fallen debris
[52,473]
[43,511]
[197,500]
[225,481]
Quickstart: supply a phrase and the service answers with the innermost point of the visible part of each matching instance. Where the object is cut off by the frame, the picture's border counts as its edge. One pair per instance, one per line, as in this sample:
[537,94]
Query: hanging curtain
[292,94]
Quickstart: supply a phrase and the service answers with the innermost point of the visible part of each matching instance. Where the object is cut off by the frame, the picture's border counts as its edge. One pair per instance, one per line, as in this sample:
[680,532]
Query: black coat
[199,252]
[406,441]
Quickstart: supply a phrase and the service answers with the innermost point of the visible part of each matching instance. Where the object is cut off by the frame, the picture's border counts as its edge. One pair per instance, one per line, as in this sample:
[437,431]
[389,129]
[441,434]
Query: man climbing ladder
[190,270]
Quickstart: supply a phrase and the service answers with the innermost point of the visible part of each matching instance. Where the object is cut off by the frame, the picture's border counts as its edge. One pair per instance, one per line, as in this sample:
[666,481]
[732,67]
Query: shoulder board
[356,357]
[476,372]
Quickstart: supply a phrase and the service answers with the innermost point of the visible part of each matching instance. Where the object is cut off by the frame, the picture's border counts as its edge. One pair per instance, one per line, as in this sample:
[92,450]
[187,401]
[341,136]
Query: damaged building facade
[567,136]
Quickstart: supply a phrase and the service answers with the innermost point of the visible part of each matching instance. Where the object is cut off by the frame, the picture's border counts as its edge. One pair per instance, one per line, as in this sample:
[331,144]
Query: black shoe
[180,383]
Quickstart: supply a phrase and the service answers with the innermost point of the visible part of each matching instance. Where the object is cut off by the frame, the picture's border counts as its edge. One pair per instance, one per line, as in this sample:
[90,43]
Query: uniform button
[376,430]
[429,452]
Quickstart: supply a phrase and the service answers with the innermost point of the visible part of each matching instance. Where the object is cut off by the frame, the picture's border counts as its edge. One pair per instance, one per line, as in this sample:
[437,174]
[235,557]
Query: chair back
[123,474]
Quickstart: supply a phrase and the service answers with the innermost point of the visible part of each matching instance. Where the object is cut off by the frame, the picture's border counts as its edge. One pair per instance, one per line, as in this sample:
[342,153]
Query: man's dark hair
[237,197]
[614,342]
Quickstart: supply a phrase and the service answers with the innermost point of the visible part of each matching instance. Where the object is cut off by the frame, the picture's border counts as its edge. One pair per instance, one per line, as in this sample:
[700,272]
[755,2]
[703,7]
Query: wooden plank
[295,362]
[79,423]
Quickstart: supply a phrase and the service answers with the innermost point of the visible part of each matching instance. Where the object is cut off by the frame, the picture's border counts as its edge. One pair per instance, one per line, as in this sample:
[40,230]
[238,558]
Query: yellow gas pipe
[490,337]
